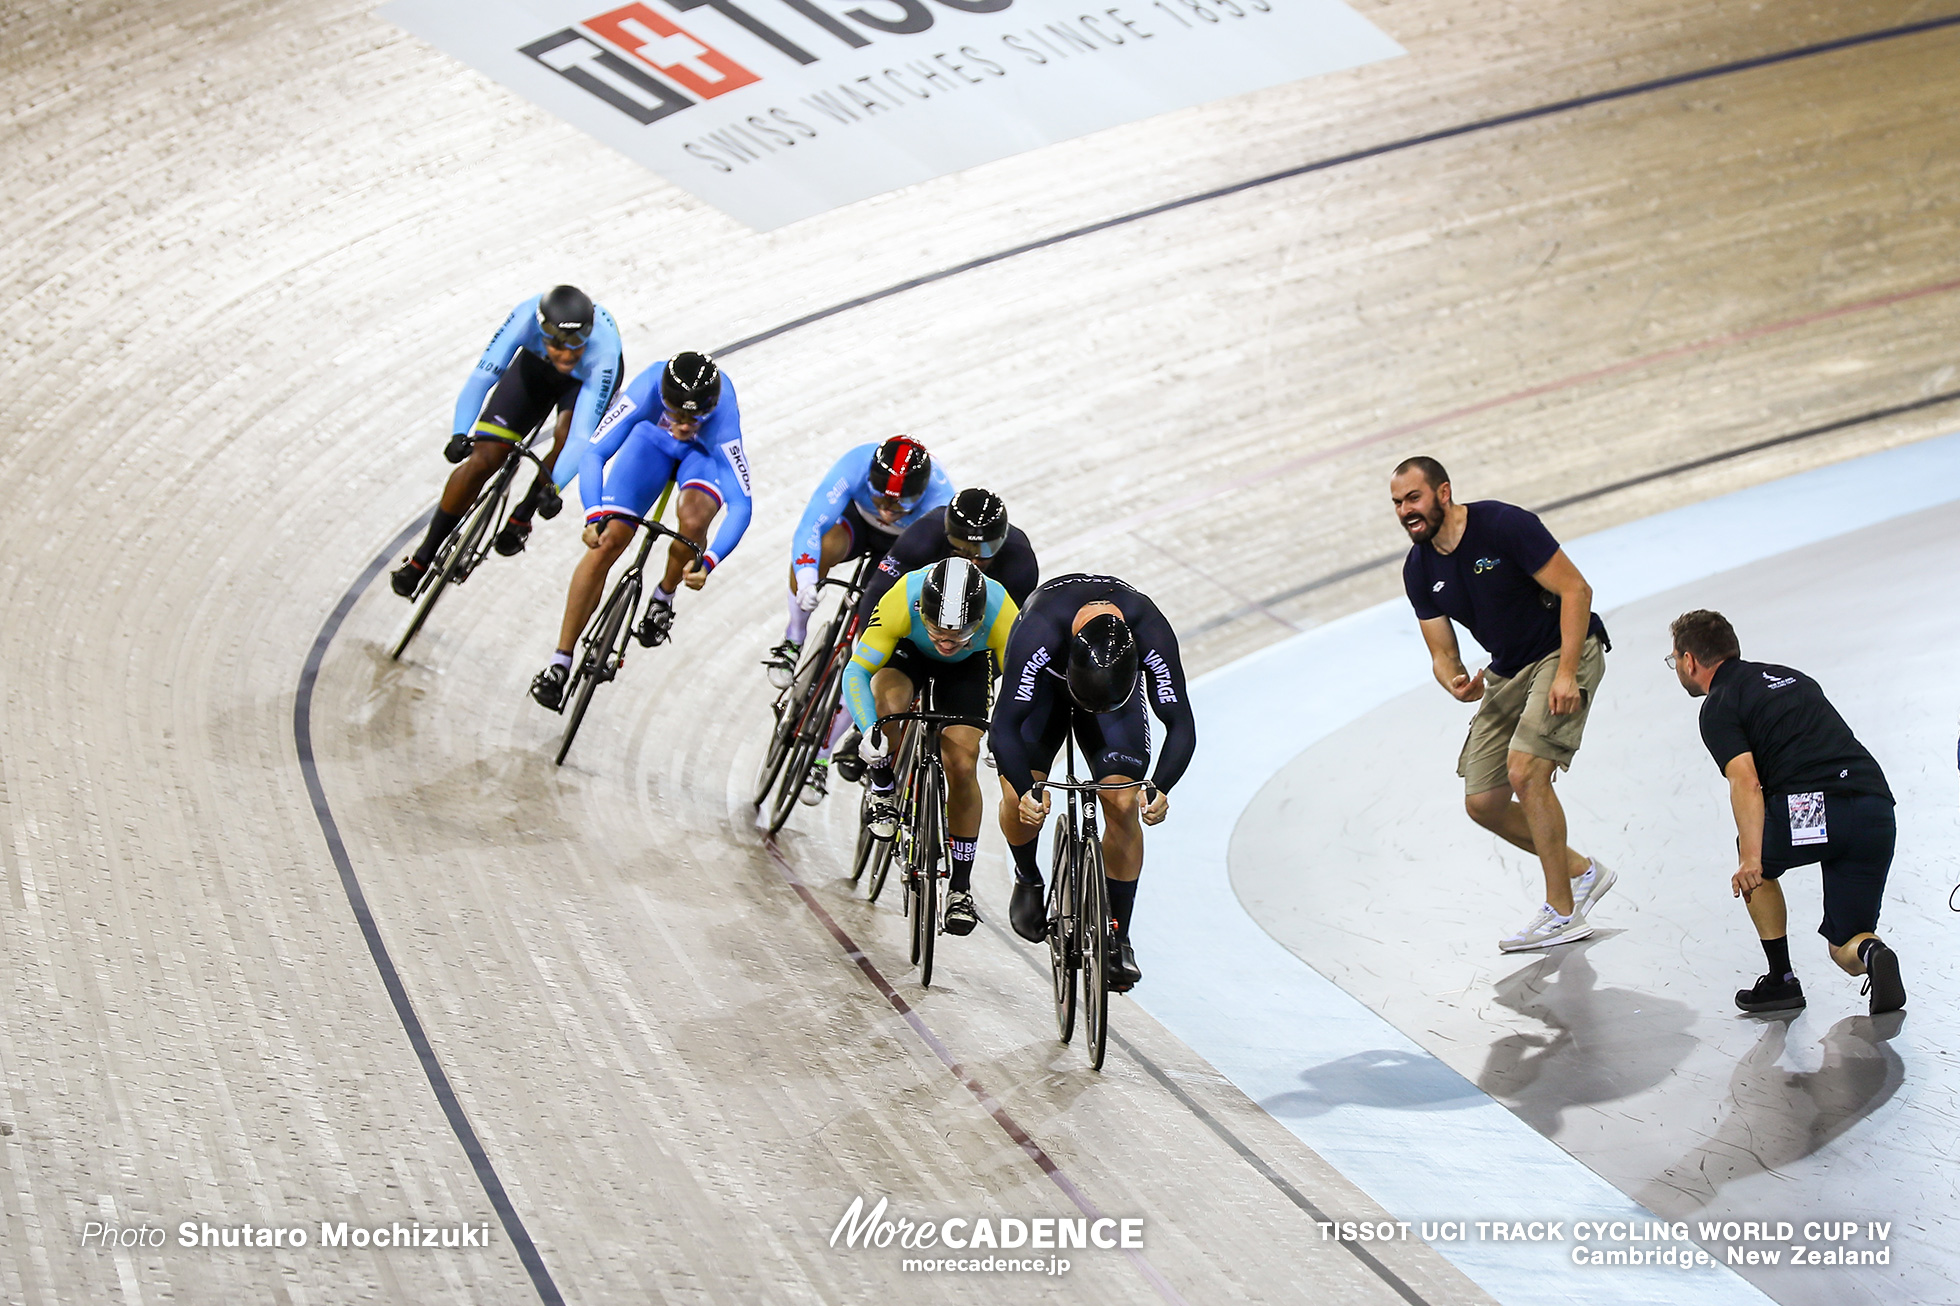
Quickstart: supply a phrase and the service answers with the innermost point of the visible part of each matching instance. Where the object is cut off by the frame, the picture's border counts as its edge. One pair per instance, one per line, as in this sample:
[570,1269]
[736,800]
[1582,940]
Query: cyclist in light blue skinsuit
[678,421]
[556,348]
[861,506]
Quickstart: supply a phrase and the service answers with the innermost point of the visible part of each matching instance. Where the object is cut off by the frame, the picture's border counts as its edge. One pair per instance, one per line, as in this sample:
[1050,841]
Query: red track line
[987,1100]
[1422,424]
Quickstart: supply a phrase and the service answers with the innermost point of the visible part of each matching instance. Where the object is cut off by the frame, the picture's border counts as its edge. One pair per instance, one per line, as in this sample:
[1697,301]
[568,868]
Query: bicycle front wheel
[932,856]
[1096,945]
[462,543]
[604,647]
[1061,932]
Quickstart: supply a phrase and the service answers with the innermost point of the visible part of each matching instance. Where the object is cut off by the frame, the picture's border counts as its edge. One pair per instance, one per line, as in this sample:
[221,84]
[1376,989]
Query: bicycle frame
[922,845]
[806,709]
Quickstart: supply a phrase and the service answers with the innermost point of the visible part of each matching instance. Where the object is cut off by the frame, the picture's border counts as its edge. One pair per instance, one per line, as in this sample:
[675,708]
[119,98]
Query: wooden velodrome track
[252,249]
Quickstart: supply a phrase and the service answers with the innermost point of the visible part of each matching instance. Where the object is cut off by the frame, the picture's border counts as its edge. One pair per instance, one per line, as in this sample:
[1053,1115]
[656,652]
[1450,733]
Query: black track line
[391,979]
[1353,156]
[309,675]
[1584,496]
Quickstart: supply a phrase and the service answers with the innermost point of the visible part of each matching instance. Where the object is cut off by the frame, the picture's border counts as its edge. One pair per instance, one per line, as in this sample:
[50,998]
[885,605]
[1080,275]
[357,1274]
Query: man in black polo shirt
[1498,571]
[1803,790]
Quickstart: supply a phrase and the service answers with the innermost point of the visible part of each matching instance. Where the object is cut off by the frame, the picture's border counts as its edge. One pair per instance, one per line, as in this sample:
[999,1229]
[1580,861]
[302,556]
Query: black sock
[1122,898]
[882,780]
[961,878]
[1778,952]
[1025,869]
[1865,951]
[529,504]
[439,527]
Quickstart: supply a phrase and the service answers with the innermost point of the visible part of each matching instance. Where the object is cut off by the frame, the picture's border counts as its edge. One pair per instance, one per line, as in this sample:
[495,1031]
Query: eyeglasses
[1671,659]
[565,339]
[980,550]
[949,634]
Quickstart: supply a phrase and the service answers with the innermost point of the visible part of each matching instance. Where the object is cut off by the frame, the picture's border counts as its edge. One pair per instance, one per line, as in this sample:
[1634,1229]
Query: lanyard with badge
[1807,819]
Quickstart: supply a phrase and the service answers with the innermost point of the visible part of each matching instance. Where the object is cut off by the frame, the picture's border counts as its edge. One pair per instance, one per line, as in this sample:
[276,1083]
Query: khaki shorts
[1514,716]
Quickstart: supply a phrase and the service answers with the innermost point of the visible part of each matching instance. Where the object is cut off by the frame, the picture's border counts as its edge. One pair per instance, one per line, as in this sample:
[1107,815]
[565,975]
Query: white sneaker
[1592,886]
[1546,930]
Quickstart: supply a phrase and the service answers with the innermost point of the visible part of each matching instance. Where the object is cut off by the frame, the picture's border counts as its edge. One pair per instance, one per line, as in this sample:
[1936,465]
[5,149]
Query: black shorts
[525,395]
[865,537]
[963,688]
[1115,743]
[1855,859]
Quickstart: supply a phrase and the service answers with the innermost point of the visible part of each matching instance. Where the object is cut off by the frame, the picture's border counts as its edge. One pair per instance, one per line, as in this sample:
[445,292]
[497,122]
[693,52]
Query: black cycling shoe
[548,686]
[1027,911]
[850,767]
[459,446]
[961,914]
[1124,973]
[549,501]
[407,577]
[657,626]
[512,538]
[1771,994]
[1888,991]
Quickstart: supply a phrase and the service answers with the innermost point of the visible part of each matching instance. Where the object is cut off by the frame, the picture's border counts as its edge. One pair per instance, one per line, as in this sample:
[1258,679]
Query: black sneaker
[961,915]
[407,577]
[512,538]
[658,623]
[548,686]
[1771,994]
[1882,982]
[1027,911]
[881,815]
[1124,973]
[549,501]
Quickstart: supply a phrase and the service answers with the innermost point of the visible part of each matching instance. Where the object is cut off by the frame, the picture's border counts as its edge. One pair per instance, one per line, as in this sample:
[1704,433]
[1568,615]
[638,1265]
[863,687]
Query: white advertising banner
[774,110]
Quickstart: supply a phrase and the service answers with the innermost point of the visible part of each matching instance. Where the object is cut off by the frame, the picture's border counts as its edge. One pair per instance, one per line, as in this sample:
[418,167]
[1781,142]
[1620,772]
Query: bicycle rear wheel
[791,708]
[605,648]
[811,734]
[1061,932]
[463,543]
[882,849]
[1096,944]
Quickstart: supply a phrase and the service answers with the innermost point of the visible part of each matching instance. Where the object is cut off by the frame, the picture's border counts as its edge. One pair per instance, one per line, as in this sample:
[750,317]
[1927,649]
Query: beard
[1422,527]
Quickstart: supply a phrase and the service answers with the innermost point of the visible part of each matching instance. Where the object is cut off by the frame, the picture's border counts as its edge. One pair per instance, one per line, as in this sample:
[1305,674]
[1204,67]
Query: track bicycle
[469,543]
[806,710]
[611,628]
[1081,935]
[921,846]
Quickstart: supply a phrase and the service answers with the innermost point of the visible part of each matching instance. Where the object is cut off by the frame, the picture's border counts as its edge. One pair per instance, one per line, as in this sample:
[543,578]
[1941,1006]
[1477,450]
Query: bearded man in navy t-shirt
[1497,571]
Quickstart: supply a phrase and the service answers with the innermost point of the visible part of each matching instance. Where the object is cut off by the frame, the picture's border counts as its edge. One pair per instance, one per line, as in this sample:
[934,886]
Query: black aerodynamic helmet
[901,469]
[690,384]
[1102,664]
[954,596]
[565,316]
[978,519]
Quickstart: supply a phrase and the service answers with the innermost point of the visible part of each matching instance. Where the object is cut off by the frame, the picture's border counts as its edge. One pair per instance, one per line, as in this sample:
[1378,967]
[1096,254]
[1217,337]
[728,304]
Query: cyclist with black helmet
[555,348]
[678,421]
[974,526]
[869,496]
[1087,655]
[949,624]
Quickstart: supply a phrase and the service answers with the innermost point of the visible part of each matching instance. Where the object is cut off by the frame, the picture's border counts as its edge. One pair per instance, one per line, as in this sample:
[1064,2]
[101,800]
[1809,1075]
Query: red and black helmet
[901,469]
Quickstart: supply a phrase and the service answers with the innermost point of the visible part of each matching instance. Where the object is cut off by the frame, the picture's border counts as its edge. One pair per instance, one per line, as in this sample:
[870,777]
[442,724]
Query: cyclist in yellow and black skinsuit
[946,623]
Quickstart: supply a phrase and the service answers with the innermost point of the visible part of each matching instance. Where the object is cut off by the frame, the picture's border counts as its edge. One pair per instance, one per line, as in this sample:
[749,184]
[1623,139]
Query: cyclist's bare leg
[693,514]
[461,489]
[1122,830]
[589,580]
[1022,834]
[959,750]
[893,691]
[558,434]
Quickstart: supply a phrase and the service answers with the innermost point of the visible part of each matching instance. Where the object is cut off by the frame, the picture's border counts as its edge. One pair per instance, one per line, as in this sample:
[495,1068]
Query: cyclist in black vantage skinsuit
[1088,653]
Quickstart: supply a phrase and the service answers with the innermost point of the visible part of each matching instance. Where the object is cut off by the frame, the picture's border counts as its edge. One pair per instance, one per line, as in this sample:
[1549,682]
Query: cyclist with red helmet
[861,506]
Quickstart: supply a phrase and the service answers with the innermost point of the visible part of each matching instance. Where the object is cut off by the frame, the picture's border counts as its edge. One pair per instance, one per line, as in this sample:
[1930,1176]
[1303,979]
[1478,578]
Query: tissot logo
[647,38]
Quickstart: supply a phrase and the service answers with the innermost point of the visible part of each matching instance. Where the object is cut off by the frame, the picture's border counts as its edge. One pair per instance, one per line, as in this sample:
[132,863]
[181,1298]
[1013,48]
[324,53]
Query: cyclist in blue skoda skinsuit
[678,421]
[555,348]
[862,505]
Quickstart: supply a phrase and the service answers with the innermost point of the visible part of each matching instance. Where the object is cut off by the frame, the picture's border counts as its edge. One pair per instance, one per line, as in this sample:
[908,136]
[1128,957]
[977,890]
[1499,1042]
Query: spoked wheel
[812,732]
[781,738]
[876,857]
[1061,935]
[1096,944]
[932,852]
[604,650]
[457,552]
